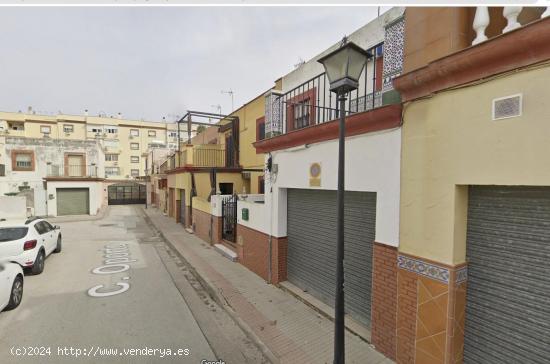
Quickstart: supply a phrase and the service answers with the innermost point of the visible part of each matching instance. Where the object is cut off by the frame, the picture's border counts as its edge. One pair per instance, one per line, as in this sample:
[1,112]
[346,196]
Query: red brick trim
[406,316]
[386,117]
[521,47]
[308,96]
[14,153]
[384,299]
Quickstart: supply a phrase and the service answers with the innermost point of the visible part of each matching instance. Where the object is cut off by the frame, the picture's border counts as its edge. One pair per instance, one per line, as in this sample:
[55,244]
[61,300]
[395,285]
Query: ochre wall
[450,141]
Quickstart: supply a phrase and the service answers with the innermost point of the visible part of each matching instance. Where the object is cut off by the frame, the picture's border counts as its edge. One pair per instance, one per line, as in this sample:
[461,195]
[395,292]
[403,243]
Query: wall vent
[507,107]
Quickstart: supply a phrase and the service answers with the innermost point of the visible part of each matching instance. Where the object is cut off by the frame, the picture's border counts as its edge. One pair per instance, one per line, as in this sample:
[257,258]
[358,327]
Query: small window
[134,159]
[44,129]
[111,130]
[152,133]
[134,132]
[301,114]
[16,126]
[173,134]
[112,171]
[134,172]
[23,161]
[134,146]
[111,157]
[68,128]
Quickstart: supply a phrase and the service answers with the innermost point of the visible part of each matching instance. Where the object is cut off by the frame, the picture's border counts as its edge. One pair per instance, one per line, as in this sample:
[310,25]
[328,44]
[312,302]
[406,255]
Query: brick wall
[255,250]
[201,224]
[217,229]
[278,259]
[384,299]
[406,316]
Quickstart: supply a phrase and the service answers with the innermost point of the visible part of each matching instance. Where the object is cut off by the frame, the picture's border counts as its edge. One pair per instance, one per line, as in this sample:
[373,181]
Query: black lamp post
[343,68]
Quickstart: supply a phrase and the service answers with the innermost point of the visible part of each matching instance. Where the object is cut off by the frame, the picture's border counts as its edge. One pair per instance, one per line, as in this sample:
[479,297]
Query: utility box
[245,214]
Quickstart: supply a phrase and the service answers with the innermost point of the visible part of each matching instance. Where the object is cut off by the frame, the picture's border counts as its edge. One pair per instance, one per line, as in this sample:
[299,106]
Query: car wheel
[16,293]
[38,266]
[58,246]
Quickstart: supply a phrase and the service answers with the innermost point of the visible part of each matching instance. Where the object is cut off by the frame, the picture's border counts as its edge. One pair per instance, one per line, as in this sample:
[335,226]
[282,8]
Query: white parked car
[28,242]
[11,286]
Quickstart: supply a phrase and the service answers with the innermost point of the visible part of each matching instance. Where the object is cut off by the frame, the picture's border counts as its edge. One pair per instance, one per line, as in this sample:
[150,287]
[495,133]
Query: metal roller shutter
[508,289]
[73,201]
[311,260]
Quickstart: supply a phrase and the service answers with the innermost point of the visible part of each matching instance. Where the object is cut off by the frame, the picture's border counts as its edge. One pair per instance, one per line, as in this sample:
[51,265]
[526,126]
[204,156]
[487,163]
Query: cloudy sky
[150,62]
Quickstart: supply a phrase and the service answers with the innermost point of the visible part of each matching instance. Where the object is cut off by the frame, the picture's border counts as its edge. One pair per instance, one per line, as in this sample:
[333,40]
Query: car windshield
[12,233]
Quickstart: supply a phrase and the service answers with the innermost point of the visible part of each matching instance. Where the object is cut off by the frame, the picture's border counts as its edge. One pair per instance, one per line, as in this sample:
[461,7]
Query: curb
[216,296]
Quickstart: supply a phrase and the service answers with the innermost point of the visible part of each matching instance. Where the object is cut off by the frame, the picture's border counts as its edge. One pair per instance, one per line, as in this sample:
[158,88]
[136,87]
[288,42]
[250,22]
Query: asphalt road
[145,313]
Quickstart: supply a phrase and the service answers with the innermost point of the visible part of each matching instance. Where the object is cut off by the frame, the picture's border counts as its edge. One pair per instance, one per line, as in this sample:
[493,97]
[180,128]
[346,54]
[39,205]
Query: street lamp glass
[344,66]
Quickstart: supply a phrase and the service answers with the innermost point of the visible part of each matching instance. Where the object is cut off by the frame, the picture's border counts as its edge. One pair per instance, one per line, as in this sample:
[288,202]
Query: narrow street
[73,311]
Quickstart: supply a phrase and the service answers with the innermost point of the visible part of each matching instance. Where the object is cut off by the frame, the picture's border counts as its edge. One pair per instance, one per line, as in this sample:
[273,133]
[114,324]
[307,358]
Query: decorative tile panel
[393,53]
[461,275]
[273,114]
[423,268]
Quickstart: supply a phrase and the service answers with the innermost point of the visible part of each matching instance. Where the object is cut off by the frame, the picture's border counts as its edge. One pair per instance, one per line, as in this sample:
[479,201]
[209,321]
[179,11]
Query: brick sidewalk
[291,331]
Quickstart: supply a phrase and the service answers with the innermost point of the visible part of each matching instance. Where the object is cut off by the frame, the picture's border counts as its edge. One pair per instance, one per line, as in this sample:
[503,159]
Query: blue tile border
[429,270]
[461,275]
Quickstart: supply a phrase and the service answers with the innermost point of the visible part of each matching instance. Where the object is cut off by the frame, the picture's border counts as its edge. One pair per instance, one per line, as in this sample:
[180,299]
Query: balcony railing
[312,102]
[210,157]
[72,170]
[510,13]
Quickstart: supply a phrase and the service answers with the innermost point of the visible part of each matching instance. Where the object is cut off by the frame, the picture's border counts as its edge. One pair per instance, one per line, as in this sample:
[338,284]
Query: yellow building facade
[124,141]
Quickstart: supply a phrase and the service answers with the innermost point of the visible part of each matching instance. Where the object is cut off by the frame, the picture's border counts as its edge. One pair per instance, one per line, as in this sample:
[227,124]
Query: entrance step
[226,252]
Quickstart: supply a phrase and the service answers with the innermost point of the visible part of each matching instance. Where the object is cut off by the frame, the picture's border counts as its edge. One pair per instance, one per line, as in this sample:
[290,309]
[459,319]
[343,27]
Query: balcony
[516,17]
[206,155]
[312,103]
[72,171]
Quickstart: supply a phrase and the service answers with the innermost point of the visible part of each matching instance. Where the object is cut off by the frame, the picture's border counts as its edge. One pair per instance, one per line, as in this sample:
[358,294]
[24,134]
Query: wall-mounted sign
[315,175]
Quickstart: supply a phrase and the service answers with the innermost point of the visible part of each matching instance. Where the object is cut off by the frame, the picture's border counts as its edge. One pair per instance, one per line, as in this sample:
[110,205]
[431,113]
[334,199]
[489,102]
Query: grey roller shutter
[508,289]
[311,260]
[73,201]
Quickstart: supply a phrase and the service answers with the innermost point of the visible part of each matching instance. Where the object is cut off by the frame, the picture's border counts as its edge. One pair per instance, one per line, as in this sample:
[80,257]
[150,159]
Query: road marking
[117,259]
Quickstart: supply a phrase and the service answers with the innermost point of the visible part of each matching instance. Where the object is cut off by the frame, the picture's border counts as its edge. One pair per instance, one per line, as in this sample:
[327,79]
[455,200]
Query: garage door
[73,201]
[312,246]
[508,294]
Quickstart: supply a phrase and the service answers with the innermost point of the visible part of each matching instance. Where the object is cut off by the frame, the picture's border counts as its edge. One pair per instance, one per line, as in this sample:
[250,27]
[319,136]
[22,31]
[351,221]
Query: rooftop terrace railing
[312,102]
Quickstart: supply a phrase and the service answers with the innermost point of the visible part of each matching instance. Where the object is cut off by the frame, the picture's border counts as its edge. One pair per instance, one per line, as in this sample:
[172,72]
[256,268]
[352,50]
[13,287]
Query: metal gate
[311,264]
[229,217]
[508,289]
[128,193]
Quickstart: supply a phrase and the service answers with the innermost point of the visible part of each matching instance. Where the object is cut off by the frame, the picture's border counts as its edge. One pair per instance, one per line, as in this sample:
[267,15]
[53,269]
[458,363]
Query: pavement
[86,309]
[286,329]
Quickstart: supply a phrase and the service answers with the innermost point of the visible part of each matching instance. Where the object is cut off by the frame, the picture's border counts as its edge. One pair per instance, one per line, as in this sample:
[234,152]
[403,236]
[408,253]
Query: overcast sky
[150,62]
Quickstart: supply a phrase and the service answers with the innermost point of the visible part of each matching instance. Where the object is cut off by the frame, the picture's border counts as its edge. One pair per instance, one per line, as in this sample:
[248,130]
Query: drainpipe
[270,239]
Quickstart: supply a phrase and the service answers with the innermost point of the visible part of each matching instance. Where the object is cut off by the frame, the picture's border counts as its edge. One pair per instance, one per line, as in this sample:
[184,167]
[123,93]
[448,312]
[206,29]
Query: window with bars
[134,132]
[44,129]
[23,161]
[134,159]
[111,157]
[134,146]
[134,172]
[152,133]
[68,128]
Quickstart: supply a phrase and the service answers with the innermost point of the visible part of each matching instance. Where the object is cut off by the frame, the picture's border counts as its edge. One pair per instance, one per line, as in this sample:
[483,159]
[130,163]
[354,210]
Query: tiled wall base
[430,312]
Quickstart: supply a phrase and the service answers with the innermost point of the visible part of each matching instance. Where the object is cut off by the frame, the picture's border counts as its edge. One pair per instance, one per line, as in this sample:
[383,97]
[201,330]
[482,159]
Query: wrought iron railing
[312,102]
[72,170]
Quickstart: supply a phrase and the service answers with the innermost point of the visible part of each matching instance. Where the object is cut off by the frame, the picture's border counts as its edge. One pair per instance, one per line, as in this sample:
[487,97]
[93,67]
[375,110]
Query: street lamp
[343,68]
